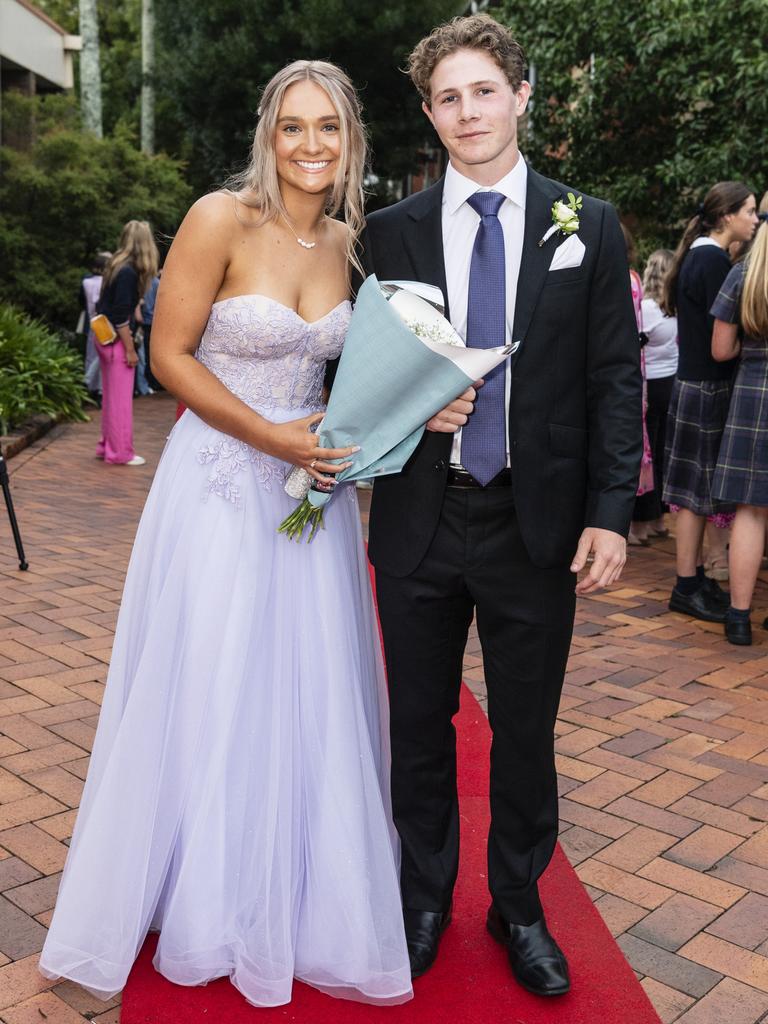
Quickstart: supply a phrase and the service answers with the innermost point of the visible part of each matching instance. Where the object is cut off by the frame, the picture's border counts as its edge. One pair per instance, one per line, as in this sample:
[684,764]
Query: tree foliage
[649,104]
[214,57]
[67,197]
[219,54]
[120,55]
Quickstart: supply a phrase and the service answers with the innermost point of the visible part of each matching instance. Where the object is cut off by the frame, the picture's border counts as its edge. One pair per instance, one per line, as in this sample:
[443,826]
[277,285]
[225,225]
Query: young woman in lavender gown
[238,794]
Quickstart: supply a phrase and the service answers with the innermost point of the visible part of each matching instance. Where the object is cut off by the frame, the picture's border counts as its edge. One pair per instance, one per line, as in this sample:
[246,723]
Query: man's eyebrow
[290,117]
[451,88]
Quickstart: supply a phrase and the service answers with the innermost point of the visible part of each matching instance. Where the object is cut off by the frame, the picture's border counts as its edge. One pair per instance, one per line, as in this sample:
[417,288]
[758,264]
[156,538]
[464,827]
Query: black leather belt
[461,478]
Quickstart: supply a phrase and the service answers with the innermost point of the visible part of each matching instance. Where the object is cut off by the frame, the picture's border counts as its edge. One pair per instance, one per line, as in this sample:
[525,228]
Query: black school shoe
[723,597]
[738,631]
[701,604]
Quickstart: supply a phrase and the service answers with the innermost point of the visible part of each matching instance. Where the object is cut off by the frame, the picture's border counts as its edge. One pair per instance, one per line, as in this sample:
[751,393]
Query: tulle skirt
[238,794]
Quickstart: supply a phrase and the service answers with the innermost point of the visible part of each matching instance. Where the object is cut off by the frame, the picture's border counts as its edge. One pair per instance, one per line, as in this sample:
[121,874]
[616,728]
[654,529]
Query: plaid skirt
[741,476]
[695,422]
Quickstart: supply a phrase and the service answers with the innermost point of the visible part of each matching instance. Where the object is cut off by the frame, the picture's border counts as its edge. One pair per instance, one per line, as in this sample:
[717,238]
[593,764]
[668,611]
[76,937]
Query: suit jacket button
[440,465]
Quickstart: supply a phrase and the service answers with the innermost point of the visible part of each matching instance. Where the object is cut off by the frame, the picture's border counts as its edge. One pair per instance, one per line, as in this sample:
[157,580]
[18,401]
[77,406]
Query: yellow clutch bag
[103,330]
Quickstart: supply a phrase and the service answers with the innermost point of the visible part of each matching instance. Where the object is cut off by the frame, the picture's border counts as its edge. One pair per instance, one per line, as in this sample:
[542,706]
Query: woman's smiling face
[307,139]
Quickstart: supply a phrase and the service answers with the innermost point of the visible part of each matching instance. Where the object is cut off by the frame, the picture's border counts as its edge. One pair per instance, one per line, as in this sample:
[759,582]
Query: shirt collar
[457,188]
[704,240]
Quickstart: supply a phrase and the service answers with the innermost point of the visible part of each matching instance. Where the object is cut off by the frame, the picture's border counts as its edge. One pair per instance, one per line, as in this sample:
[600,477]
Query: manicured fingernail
[356,448]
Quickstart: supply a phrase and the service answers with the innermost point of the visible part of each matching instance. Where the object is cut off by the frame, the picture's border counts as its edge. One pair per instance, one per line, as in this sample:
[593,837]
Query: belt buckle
[462,478]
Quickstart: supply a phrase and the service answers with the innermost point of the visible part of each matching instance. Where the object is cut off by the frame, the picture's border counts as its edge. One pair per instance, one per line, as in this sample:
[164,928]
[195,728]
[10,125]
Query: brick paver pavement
[662,746]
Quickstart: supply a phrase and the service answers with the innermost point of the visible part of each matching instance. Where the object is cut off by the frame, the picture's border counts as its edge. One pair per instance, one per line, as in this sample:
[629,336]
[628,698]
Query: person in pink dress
[126,278]
[647,503]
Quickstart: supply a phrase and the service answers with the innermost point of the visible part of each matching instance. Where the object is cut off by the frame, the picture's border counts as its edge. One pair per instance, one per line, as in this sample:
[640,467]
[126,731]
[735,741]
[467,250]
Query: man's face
[474,110]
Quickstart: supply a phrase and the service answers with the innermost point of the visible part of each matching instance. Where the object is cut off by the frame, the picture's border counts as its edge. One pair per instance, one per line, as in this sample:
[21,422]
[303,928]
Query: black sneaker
[723,597]
[699,605]
[738,631]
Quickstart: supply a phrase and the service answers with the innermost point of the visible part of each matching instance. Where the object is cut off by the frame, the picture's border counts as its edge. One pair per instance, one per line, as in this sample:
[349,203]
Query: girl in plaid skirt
[701,392]
[741,476]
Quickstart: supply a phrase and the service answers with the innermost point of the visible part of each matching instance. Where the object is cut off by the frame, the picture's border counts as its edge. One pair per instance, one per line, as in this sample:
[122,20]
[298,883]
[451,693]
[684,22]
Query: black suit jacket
[575,418]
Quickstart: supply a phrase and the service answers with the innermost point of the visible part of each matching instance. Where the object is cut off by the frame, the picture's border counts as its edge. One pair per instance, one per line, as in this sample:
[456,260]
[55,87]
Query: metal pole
[6,487]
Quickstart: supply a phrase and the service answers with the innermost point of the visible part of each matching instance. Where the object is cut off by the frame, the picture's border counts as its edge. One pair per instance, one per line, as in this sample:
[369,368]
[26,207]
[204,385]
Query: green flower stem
[304,515]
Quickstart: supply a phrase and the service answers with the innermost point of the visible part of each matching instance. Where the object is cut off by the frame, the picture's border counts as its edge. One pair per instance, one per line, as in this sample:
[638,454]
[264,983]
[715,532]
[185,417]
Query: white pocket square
[569,254]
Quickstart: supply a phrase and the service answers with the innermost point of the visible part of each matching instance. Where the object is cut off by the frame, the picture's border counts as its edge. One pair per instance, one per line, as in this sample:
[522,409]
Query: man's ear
[428,111]
[522,95]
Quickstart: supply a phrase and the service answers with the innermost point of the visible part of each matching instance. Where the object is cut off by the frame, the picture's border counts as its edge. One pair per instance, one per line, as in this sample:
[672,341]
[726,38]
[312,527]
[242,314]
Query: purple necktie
[483,439]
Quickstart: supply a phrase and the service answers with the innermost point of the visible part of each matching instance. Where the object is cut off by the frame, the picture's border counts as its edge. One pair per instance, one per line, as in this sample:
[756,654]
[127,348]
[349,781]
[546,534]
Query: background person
[702,389]
[660,354]
[126,278]
[145,314]
[647,503]
[741,476]
[90,289]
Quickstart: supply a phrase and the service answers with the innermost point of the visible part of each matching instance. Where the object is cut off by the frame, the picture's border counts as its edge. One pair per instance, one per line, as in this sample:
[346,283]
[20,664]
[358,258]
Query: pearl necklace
[302,243]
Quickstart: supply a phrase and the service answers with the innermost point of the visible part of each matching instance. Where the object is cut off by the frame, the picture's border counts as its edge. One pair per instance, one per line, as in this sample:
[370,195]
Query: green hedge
[65,195]
[39,373]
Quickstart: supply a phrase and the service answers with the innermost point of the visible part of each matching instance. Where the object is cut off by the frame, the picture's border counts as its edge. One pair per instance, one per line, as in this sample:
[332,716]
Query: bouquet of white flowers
[402,362]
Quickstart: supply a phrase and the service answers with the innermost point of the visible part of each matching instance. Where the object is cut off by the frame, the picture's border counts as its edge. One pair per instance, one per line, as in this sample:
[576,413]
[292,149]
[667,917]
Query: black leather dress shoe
[536,960]
[738,631]
[716,591]
[423,929]
[699,605]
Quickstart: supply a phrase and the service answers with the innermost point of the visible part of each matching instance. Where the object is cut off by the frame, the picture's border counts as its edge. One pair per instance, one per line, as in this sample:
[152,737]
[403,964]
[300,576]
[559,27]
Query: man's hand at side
[609,554]
[454,416]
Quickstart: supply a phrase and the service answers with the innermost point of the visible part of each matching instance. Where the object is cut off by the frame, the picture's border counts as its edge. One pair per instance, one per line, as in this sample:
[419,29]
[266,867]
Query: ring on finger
[313,463]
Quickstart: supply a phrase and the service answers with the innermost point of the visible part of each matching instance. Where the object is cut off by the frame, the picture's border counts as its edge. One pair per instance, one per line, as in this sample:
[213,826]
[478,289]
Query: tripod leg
[4,483]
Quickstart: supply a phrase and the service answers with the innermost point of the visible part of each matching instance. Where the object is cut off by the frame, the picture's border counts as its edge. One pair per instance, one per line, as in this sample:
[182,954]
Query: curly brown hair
[471,32]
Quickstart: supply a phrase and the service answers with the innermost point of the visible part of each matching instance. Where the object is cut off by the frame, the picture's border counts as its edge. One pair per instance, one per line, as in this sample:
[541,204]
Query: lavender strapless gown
[238,793]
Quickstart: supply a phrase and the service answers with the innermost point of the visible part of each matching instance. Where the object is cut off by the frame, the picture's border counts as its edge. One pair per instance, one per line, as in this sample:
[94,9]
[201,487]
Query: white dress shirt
[460,224]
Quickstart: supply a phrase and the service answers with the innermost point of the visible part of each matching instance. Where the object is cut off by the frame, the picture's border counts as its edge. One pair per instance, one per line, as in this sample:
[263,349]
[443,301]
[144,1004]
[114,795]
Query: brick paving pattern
[662,746]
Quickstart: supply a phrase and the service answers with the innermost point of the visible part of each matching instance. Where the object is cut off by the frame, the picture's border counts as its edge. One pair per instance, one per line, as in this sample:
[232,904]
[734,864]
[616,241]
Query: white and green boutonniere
[565,217]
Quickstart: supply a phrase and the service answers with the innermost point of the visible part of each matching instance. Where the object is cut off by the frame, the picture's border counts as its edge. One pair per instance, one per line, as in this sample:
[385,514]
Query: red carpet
[470,983]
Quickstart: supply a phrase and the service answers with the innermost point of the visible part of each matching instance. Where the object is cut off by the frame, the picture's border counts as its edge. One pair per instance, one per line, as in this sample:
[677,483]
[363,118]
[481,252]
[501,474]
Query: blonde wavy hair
[136,248]
[754,298]
[656,269]
[258,185]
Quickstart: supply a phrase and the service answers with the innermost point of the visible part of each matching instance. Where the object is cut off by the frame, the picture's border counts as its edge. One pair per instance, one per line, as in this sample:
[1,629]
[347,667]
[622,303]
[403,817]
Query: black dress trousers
[477,562]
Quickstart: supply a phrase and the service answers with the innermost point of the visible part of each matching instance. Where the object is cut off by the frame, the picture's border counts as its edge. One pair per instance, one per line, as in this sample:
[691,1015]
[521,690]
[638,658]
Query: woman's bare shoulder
[212,211]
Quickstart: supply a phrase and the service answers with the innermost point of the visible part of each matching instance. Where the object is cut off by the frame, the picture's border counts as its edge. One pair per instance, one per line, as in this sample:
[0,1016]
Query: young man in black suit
[513,489]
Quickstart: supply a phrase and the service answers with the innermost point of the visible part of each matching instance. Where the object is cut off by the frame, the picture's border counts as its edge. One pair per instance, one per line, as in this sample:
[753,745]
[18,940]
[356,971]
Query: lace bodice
[267,355]
[272,359]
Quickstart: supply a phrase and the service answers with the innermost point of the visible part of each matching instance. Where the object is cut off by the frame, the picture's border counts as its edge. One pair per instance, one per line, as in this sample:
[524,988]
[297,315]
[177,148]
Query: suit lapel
[541,193]
[423,238]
